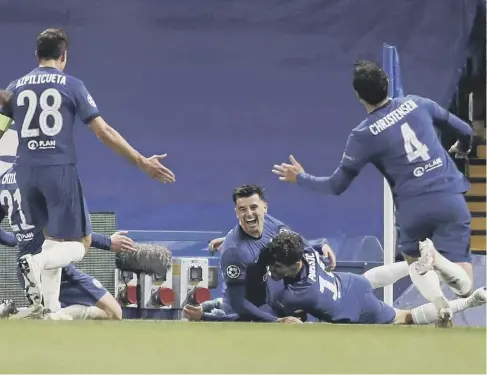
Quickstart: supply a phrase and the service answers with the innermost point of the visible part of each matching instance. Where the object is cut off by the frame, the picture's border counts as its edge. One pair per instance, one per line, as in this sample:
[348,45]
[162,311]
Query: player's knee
[115,312]
[403,317]
[110,306]
[86,241]
[467,286]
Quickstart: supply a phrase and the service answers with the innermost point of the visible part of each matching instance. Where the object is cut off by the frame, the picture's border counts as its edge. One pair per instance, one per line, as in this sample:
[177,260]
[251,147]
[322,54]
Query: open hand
[330,255]
[288,172]
[154,168]
[193,312]
[289,319]
[455,149]
[215,244]
[121,243]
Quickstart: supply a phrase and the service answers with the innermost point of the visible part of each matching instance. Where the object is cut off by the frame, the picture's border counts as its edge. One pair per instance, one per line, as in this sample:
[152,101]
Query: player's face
[250,213]
[279,271]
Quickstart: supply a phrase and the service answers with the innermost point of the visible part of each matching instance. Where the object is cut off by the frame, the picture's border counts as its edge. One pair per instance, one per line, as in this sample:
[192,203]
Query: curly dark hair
[285,248]
[370,81]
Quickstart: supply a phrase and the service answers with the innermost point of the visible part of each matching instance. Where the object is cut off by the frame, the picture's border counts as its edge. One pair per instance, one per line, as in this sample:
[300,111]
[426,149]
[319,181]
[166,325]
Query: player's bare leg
[458,276]
[428,284]
[107,307]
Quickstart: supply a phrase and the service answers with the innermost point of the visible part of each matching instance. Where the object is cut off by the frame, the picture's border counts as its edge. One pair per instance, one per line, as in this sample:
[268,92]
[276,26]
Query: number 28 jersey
[400,139]
[45,103]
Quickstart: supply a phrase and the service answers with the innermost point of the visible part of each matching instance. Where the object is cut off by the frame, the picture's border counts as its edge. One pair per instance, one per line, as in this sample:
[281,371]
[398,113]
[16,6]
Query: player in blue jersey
[398,137]
[44,103]
[245,290]
[338,297]
[81,295]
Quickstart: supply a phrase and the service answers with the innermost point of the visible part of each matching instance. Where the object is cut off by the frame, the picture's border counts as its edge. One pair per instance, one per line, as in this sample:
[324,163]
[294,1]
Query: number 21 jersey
[45,103]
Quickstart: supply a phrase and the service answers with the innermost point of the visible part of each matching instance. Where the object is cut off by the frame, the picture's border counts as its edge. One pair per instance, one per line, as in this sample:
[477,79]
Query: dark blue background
[228,88]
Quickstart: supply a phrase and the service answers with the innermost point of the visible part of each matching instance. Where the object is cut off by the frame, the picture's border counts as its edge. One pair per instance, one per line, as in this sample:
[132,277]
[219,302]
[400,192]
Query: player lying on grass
[81,295]
[245,289]
[338,297]
[378,277]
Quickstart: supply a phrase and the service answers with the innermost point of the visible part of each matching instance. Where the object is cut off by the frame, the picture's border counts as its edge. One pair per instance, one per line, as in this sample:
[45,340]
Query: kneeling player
[77,288]
[338,297]
[81,296]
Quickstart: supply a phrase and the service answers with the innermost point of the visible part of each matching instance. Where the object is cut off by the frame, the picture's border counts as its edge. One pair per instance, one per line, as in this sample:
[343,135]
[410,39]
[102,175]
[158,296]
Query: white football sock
[382,276]
[429,286]
[57,254]
[426,314]
[51,287]
[79,312]
[453,275]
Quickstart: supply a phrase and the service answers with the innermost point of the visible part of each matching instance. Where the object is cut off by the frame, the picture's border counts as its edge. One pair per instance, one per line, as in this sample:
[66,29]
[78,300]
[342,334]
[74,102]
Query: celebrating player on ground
[338,297]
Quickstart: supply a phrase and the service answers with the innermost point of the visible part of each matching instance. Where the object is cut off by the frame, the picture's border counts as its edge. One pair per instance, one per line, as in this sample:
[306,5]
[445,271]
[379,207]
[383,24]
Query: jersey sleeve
[86,108]
[291,301]
[6,112]
[356,155]
[233,266]
[443,119]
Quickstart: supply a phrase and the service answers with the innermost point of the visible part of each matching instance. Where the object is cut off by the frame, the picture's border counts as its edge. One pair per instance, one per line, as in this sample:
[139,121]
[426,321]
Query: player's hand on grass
[121,243]
[194,313]
[288,172]
[330,255]
[455,149]
[215,244]
[154,168]
[289,319]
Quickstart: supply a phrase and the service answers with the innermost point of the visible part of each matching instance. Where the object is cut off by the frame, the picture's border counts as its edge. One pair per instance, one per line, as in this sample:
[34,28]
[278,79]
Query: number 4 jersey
[45,103]
[400,139]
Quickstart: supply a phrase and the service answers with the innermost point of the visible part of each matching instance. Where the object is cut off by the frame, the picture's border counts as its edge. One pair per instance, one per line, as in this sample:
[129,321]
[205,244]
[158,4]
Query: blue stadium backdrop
[227,89]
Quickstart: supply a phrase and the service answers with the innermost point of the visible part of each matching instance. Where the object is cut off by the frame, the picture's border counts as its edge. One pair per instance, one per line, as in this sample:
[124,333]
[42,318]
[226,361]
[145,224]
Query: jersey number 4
[8,200]
[50,102]
[413,147]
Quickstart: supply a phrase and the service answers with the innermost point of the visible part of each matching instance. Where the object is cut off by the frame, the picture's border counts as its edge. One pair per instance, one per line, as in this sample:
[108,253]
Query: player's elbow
[102,130]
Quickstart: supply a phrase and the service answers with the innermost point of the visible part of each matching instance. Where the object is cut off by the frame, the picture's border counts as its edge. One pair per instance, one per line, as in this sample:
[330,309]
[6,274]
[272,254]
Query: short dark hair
[370,81]
[51,44]
[286,248]
[246,191]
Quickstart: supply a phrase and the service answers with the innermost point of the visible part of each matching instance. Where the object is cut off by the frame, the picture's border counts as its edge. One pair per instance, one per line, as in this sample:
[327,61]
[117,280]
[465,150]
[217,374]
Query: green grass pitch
[183,347]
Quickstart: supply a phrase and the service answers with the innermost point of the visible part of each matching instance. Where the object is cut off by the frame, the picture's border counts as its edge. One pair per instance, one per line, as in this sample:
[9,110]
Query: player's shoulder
[73,81]
[416,99]
[277,224]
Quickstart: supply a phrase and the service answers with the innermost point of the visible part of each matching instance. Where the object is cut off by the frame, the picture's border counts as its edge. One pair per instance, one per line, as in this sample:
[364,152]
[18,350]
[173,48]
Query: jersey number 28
[413,147]
[50,102]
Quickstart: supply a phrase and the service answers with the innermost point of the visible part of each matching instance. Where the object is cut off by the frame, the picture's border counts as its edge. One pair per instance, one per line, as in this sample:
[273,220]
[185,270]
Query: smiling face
[250,213]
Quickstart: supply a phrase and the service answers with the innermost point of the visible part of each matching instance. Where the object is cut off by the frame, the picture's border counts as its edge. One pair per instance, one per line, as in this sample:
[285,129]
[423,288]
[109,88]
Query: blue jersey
[239,259]
[334,297]
[400,140]
[28,237]
[45,103]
